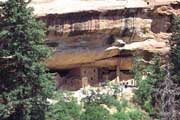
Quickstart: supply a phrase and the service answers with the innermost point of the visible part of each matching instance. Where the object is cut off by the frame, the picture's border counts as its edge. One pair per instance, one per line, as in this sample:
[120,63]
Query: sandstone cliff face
[85,35]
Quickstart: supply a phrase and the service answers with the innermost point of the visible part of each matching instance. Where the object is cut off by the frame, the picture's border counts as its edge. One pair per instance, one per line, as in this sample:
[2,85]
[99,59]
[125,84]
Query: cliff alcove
[104,36]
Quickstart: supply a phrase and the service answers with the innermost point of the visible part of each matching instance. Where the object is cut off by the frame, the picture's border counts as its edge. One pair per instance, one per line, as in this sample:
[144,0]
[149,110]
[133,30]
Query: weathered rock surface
[95,58]
[45,7]
[149,45]
[101,24]
[166,10]
[42,8]
[86,32]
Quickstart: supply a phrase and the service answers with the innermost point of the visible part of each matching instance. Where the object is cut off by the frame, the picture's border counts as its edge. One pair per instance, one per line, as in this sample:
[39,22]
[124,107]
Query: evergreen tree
[175,61]
[159,88]
[148,88]
[175,51]
[24,81]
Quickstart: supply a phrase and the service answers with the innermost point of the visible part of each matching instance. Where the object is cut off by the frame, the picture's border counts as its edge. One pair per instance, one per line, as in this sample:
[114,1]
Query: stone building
[76,78]
[95,40]
[89,75]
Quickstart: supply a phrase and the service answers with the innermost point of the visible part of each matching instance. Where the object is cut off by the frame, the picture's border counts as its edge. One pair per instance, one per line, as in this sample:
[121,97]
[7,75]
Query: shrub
[137,115]
[95,112]
[63,109]
[148,87]
[119,116]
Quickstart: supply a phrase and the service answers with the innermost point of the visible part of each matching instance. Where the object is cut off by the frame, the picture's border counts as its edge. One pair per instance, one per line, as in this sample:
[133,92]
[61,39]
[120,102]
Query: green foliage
[120,116]
[110,101]
[94,112]
[64,111]
[175,61]
[138,68]
[147,88]
[25,83]
[107,100]
[134,114]
[121,106]
[175,49]
[92,109]
[175,28]
[137,114]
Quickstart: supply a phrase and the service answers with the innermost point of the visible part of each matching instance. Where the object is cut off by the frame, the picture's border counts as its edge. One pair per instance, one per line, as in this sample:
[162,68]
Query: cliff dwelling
[76,78]
[97,43]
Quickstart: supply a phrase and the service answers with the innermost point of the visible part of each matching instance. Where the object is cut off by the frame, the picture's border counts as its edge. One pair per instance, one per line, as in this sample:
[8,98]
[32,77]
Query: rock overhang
[71,6]
[96,54]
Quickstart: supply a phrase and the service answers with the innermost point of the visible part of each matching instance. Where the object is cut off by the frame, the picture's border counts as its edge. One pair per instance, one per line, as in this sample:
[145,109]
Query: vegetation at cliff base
[148,78]
[99,107]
